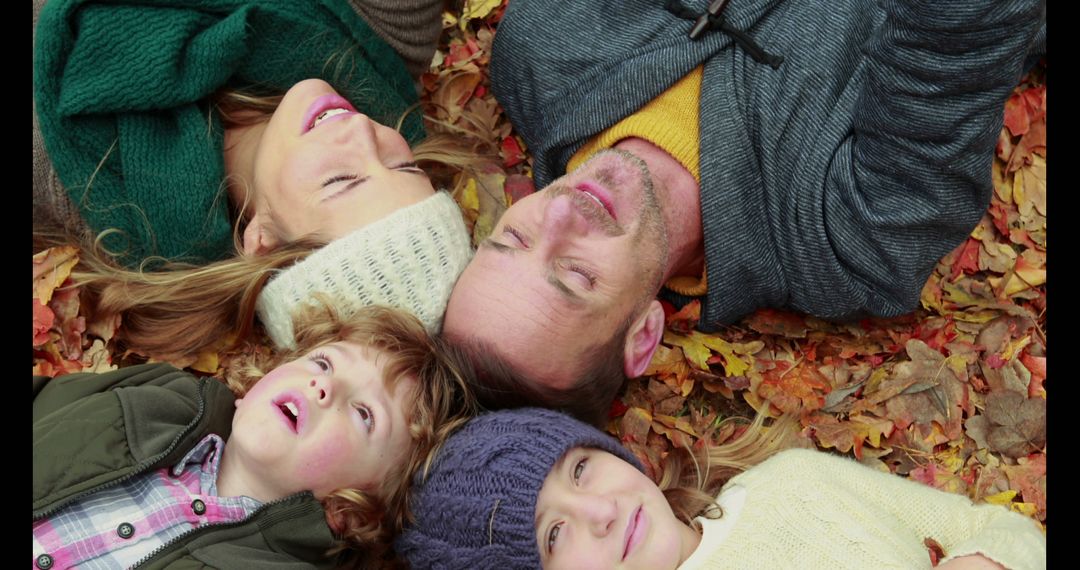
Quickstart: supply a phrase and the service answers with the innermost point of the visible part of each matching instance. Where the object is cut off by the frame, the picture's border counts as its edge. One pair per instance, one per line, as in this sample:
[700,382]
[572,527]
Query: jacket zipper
[142,466]
[187,534]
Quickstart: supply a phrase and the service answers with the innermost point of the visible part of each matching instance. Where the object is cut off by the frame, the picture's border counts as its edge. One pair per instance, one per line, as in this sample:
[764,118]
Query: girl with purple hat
[533,488]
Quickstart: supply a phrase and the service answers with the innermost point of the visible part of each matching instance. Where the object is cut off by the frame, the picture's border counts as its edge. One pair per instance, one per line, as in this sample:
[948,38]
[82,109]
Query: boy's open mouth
[290,411]
[291,407]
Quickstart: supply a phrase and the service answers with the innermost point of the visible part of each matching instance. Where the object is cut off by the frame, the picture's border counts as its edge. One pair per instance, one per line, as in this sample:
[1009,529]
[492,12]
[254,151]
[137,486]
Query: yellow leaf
[51,267]
[1002,498]
[1035,184]
[733,365]
[668,361]
[1026,509]
[470,200]
[477,9]
[687,387]
[695,352]
[872,428]
[1002,186]
[680,424]
[1013,347]
[206,362]
[1018,195]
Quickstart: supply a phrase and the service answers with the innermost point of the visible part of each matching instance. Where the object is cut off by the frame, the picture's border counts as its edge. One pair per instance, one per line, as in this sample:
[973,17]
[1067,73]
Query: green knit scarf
[120,89]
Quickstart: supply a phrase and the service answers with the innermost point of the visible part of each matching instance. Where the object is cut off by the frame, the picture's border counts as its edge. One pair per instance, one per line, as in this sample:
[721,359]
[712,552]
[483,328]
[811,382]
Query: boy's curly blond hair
[367,520]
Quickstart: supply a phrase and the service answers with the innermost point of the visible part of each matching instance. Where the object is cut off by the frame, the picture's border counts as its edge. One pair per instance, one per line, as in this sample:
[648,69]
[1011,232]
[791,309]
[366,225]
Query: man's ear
[642,339]
[258,237]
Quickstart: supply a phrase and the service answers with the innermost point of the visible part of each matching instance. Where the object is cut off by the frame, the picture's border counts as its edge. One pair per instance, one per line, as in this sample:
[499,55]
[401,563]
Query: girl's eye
[553,534]
[366,416]
[322,362]
[515,236]
[579,468]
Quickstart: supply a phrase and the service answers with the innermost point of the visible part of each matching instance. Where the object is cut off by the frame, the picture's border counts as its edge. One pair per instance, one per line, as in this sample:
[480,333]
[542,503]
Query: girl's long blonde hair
[691,480]
[367,520]
[177,310]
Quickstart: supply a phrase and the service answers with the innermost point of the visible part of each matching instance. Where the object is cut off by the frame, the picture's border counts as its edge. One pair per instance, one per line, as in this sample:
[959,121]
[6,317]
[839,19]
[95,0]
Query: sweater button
[198,506]
[125,530]
[44,562]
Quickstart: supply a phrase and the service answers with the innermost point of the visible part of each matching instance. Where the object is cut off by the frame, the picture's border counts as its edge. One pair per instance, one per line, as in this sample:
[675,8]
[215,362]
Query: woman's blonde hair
[691,480]
[366,521]
[174,311]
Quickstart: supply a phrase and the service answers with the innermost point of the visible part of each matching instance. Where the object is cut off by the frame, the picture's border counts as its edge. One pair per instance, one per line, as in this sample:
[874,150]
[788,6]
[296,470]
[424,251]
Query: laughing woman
[161,119]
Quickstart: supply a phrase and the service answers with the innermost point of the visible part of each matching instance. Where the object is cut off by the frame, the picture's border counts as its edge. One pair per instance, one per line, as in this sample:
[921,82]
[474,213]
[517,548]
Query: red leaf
[1037,366]
[1017,118]
[686,319]
[618,408]
[995,361]
[511,151]
[518,186]
[967,261]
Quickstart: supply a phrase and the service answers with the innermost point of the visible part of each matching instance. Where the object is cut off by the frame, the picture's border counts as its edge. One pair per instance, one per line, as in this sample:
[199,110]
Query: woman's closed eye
[410,167]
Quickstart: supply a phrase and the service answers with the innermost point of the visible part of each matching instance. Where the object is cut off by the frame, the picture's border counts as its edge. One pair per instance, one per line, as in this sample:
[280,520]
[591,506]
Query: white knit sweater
[807,509]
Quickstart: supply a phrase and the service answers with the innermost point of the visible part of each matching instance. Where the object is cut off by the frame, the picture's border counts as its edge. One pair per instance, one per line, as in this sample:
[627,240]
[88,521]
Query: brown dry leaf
[773,321]
[635,425]
[1018,423]
[491,203]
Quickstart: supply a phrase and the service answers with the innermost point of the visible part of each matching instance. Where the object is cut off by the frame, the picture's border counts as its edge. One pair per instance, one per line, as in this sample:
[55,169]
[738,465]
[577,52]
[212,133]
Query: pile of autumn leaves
[952,395]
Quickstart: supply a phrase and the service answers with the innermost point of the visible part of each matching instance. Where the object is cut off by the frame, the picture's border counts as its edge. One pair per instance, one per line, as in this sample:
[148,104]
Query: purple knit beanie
[477,505]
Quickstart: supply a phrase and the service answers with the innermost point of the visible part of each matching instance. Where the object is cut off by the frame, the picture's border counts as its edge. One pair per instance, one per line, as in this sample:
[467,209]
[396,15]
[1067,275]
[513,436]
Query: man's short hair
[500,386]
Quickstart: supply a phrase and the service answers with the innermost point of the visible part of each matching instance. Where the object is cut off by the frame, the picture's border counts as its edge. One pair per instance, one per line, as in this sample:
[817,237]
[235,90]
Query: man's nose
[561,220]
[598,512]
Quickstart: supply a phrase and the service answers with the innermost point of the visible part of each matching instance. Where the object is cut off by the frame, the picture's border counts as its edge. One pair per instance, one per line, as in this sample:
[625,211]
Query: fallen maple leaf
[1018,423]
[1028,477]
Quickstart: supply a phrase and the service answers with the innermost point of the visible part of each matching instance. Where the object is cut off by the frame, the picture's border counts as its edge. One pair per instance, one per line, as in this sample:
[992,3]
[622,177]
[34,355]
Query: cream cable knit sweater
[807,509]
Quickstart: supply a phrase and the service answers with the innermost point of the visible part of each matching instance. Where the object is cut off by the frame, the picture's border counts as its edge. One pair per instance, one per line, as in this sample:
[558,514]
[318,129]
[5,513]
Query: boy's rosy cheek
[265,383]
[327,460]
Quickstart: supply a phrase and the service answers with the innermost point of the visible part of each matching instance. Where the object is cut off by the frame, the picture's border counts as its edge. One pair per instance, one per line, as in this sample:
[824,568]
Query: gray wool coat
[829,185]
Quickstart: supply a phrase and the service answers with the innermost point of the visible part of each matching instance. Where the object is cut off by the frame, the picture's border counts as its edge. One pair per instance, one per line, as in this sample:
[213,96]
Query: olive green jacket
[92,431]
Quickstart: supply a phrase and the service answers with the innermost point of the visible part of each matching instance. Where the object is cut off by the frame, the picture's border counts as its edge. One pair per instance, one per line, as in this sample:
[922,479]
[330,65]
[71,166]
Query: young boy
[148,466]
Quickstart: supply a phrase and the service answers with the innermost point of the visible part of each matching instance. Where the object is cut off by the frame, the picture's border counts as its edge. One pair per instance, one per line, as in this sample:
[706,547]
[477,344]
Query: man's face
[564,268]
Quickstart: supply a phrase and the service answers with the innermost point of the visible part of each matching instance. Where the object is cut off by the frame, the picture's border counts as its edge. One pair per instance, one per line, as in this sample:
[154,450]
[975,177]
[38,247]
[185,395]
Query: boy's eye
[322,362]
[366,416]
[553,534]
